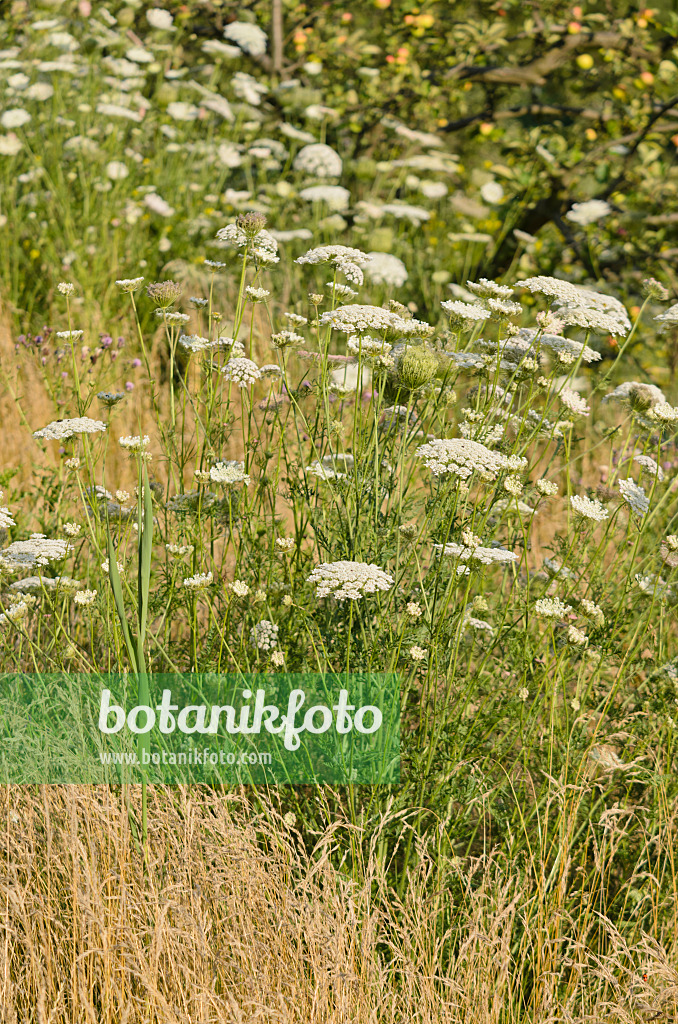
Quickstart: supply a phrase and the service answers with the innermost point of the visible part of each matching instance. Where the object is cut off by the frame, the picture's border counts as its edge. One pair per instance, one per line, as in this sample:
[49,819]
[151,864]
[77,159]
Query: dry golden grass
[233,920]
[25,403]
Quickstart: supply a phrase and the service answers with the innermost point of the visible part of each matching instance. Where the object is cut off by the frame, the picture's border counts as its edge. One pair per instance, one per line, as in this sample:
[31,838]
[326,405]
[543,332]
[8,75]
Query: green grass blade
[116,586]
[144,572]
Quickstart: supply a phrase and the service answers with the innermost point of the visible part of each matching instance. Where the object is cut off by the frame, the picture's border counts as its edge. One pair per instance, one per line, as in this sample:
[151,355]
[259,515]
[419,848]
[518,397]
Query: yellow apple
[585,61]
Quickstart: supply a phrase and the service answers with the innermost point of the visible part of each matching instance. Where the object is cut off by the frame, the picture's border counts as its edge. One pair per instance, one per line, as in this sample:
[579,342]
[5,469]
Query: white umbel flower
[336,197]
[6,518]
[160,19]
[319,160]
[332,467]
[250,38]
[588,508]
[229,473]
[349,580]
[37,550]
[264,635]
[662,412]
[669,318]
[589,212]
[463,457]
[476,553]
[242,372]
[200,581]
[335,254]
[577,637]
[384,268]
[486,289]
[60,430]
[464,313]
[134,443]
[239,588]
[634,496]
[574,402]
[85,597]
[593,611]
[648,465]
[552,608]
[129,284]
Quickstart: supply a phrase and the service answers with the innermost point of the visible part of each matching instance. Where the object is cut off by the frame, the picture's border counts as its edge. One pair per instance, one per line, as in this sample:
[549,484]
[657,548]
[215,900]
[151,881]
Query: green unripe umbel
[416,368]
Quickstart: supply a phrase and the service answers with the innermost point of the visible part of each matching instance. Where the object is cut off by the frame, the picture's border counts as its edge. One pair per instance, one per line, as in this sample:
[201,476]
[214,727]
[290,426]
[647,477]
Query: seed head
[164,293]
[251,223]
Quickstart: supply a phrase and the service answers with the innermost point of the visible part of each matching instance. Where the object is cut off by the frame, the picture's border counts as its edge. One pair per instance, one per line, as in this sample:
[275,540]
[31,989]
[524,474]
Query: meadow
[342,338]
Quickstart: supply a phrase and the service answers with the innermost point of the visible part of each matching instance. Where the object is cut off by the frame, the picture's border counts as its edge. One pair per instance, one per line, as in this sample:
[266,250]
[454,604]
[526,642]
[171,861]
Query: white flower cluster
[577,637]
[16,612]
[135,443]
[229,473]
[566,350]
[581,307]
[256,294]
[200,581]
[129,284]
[344,259]
[286,339]
[669,318]
[196,343]
[179,549]
[464,313]
[5,517]
[60,430]
[366,346]
[250,38]
[486,289]
[479,625]
[37,550]
[264,635]
[384,268]
[593,611]
[662,412]
[648,464]
[359,319]
[29,583]
[239,588]
[636,394]
[552,607]
[463,457]
[332,467]
[85,597]
[160,19]
[241,371]
[319,160]
[573,401]
[336,197]
[588,508]
[349,580]
[634,496]
[263,246]
[476,553]
[334,254]
[589,212]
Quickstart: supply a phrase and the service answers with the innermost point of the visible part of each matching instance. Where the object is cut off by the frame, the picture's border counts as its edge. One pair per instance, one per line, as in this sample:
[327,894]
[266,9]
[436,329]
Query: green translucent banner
[252,729]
